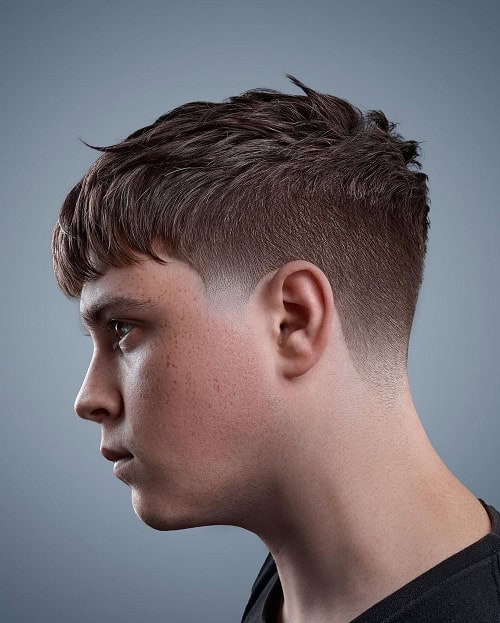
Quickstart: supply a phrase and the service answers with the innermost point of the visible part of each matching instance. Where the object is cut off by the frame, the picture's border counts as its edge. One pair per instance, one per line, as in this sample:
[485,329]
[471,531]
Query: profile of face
[186,388]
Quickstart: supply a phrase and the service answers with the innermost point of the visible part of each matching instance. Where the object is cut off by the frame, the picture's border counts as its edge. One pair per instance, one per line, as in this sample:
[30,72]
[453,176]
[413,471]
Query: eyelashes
[114,328]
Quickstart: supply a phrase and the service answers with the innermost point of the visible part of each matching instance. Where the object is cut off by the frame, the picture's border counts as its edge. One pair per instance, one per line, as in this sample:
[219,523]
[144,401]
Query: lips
[114,454]
[121,468]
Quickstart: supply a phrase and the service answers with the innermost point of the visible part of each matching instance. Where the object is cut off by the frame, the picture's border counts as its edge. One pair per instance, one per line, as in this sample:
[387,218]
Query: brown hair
[238,188]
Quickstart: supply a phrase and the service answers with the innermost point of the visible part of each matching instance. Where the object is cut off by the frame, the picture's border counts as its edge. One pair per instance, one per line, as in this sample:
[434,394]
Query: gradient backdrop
[72,548]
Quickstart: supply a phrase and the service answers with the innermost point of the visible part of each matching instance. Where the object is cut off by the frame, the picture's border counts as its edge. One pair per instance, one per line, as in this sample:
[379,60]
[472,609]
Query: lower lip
[121,464]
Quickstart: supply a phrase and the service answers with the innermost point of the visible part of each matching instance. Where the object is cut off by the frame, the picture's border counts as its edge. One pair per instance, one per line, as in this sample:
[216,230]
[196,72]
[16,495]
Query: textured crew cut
[238,188]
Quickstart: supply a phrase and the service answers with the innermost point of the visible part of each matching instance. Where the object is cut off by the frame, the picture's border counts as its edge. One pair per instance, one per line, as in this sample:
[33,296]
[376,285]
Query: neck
[361,511]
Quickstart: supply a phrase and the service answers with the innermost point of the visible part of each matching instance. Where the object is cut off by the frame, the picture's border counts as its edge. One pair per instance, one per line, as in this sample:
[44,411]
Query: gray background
[71,547]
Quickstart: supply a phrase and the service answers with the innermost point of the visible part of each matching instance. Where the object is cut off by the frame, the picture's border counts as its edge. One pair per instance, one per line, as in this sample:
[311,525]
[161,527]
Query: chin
[163,517]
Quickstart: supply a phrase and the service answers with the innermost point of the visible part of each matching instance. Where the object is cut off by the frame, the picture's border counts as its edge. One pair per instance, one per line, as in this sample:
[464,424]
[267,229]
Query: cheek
[227,383]
[201,398]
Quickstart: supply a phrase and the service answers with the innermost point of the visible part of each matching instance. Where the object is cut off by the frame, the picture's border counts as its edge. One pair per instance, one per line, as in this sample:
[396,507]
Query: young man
[248,271]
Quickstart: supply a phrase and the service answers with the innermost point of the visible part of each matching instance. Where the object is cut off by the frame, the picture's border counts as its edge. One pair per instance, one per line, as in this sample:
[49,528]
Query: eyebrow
[92,317]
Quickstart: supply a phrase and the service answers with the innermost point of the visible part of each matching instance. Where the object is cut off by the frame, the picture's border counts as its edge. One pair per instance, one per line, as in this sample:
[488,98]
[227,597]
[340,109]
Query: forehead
[137,287]
[135,279]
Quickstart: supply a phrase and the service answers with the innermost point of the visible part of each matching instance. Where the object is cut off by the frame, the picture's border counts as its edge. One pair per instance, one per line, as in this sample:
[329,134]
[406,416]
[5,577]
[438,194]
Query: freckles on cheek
[204,397]
[163,391]
[145,389]
[234,396]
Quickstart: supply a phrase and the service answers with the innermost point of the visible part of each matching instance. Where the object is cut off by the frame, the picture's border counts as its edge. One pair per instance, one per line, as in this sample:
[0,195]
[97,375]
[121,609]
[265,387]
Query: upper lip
[113,454]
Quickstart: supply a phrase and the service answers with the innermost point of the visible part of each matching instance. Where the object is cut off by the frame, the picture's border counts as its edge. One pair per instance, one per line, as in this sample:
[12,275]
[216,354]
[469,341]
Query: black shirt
[464,588]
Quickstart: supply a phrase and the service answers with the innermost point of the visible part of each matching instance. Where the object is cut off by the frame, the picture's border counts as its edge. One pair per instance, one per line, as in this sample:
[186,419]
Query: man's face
[180,385]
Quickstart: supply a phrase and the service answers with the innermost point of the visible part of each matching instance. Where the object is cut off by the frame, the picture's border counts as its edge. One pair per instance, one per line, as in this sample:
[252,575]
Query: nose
[99,397]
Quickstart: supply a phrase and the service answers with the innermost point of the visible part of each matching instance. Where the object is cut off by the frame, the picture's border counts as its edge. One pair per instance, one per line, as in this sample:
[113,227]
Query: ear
[303,312]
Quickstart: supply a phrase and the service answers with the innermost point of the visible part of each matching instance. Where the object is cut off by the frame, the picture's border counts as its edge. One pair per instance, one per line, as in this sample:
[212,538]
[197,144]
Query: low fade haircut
[238,188]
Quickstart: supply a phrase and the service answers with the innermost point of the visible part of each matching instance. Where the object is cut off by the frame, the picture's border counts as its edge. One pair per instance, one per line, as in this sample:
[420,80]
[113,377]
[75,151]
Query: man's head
[274,237]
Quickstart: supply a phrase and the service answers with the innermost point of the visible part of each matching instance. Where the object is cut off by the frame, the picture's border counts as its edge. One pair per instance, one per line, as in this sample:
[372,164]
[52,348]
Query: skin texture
[252,414]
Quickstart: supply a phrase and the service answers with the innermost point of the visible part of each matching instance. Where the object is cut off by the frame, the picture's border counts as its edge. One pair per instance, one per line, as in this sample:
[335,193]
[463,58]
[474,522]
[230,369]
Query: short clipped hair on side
[239,188]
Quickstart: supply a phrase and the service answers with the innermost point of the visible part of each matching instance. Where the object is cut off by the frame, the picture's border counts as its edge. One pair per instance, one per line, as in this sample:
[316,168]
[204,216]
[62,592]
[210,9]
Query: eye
[119,329]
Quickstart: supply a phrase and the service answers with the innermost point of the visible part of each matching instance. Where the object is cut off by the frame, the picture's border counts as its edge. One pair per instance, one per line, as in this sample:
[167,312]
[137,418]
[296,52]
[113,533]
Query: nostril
[85,407]
[99,396]
[95,415]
